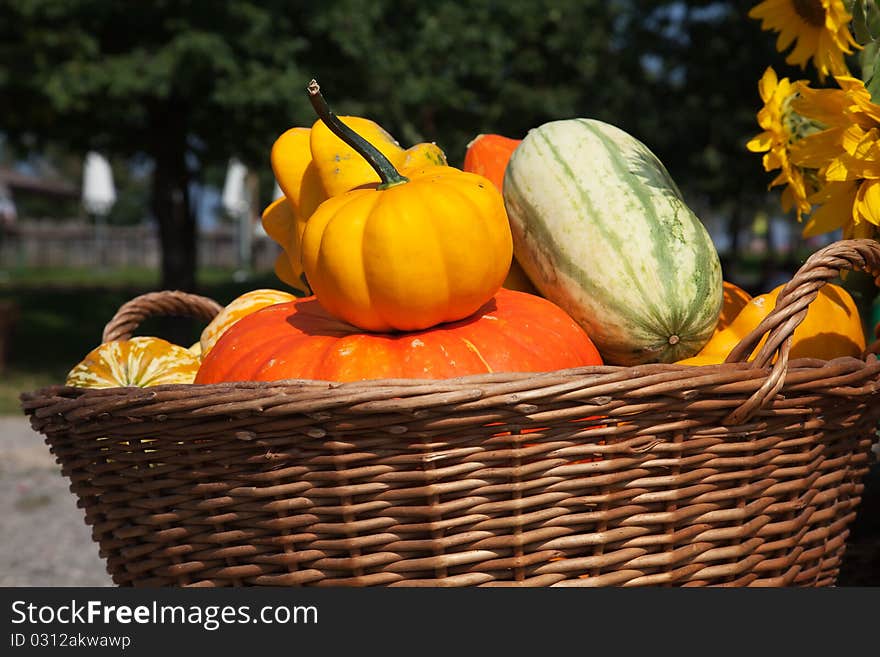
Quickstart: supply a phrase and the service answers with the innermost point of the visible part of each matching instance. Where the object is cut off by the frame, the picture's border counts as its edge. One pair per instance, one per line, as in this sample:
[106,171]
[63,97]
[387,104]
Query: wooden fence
[45,243]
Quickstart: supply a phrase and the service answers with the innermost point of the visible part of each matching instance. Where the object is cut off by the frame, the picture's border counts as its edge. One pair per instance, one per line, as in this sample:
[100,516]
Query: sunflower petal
[835,211]
[868,202]
[760,143]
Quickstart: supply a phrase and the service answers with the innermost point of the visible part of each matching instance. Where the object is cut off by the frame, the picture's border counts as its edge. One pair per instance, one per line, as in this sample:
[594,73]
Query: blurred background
[135,137]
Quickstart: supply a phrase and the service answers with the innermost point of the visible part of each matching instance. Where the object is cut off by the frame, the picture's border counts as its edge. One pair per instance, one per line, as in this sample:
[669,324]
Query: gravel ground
[45,541]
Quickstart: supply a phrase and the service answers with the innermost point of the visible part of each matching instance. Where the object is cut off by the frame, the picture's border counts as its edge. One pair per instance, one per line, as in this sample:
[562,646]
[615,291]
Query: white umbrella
[98,197]
[237,203]
[235,196]
[8,212]
[98,192]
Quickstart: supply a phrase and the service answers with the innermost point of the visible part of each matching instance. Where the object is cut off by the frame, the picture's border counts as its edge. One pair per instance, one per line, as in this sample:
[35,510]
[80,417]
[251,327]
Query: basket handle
[791,308]
[164,303]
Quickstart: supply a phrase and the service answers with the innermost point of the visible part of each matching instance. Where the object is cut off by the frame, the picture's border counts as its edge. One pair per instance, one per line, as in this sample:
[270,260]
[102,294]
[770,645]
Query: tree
[184,82]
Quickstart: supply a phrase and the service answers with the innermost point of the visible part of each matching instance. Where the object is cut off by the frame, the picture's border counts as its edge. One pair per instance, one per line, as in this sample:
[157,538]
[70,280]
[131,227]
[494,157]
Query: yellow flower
[781,127]
[845,156]
[835,111]
[820,28]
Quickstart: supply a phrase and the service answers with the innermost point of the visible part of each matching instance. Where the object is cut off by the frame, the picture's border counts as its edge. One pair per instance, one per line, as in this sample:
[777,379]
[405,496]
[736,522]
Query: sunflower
[820,28]
[782,127]
[857,170]
[828,110]
[845,155]
[846,141]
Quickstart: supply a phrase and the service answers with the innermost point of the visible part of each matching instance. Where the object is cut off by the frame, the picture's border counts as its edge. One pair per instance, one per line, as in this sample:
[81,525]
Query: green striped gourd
[602,230]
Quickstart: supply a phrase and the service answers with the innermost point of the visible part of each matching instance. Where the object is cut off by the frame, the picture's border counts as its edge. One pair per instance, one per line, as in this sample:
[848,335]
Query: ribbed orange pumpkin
[513,332]
[418,250]
[488,155]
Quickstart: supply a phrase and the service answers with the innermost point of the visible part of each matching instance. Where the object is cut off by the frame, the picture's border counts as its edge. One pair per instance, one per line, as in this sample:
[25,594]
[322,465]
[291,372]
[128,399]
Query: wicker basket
[734,474]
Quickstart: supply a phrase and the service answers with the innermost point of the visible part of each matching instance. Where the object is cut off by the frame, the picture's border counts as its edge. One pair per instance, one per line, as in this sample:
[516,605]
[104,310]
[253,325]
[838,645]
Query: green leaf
[860,22]
[871,70]
[867,57]
[871,12]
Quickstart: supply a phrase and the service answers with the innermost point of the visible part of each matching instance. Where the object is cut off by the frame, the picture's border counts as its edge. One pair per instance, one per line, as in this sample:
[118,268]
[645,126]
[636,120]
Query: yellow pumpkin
[140,361]
[735,299]
[247,303]
[409,253]
[311,165]
[408,257]
[831,328]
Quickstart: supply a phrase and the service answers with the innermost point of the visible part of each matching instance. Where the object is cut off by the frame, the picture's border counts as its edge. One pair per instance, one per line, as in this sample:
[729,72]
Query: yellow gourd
[831,329]
[296,171]
[409,253]
[341,168]
[286,227]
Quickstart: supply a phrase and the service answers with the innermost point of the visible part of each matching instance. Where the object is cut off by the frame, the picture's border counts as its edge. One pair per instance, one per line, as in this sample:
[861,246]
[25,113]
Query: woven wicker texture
[734,474]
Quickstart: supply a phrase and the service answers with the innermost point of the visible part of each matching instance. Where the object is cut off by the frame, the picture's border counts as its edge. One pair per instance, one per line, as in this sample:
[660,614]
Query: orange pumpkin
[488,155]
[243,305]
[513,332]
[140,361]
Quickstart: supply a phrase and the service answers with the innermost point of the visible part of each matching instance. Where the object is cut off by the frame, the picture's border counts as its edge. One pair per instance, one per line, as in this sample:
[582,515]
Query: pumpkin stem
[381,164]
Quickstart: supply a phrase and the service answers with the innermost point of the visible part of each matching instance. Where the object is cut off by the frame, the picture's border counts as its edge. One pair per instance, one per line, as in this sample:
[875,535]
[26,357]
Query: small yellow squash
[140,361]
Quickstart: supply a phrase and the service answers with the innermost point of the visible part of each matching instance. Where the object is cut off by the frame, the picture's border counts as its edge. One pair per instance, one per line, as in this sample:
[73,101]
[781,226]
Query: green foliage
[447,71]
[114,76]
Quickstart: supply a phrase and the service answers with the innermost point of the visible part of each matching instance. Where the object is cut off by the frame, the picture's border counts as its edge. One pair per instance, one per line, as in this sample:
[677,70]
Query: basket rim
[491,377]
[844,376]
